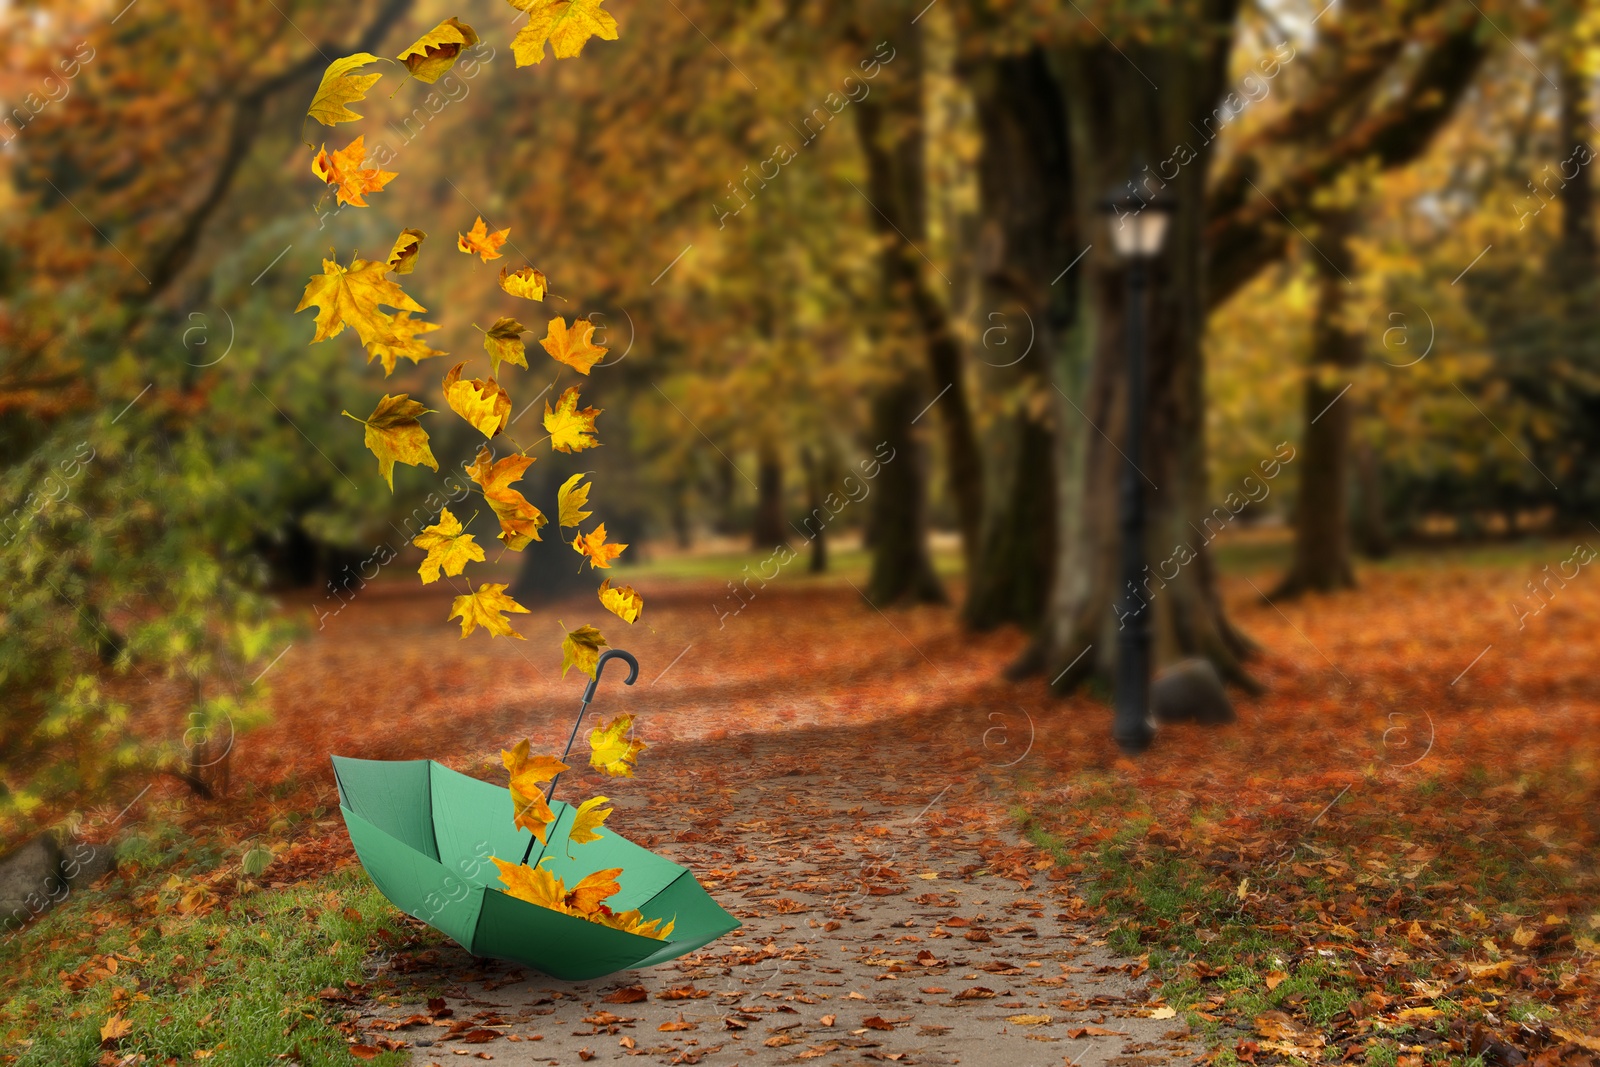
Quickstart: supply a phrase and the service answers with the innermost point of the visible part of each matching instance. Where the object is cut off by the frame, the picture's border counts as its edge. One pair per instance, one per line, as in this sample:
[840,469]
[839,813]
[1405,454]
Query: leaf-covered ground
[1390,858]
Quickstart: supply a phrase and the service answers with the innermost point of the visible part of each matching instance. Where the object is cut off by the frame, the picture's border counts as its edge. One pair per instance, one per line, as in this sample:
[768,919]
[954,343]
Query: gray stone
[30,881]
[1190,691]
[85,862]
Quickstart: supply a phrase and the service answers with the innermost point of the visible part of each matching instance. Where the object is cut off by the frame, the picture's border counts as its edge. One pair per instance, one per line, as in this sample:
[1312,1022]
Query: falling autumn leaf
[403,341]
[448,548]
[503,342]
[527,283]
[403,256]
[395,436]
[340,87]
[622,602]
[571,428]
[484,608]
[588,819]
[581,649]
[487,246]
[531,810]
[437,50]
[571,499]
[519,520]
[573,346]
[343,171]
[611,750]
[566,24]
[482,403]
[594,546]
[351,296]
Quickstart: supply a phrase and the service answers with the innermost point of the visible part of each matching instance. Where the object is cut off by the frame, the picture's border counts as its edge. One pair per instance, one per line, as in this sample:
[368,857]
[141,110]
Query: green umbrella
[425,834]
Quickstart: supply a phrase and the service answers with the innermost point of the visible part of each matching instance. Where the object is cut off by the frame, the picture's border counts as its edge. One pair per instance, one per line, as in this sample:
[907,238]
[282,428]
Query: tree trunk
[1577,249]
[901,566]
[1371,524]
[816,527]
[1115,117]
[890,127]
[1027,223]
[770,530]
[1322,508]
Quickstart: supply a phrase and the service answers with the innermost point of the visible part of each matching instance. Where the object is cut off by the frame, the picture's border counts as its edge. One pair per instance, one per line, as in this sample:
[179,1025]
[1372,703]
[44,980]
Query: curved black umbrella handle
[599,668]
[588,695]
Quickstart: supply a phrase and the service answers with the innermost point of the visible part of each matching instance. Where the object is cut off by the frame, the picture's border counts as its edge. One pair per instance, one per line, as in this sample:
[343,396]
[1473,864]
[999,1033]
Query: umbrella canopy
[425,834]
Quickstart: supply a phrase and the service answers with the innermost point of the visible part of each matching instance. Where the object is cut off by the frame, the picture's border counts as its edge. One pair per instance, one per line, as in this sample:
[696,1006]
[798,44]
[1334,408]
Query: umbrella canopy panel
[425,834]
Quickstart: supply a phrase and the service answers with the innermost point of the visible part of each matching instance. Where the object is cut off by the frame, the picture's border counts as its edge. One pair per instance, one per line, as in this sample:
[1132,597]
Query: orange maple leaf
[479,240]
[343,169]
[573,346]
[519,520]
[594,546]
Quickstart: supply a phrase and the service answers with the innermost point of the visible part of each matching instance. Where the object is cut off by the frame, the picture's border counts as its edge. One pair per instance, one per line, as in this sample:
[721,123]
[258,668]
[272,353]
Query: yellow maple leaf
[611,750]
[527,283]
[573,346]
[482,403]
[403,257]
[570,500]
[570,427]
[634,922]
[437,50]
[519,520]
[533,884]
[622,602]
[487,245]
[594,546]
[588,895]
[395,436]
[532,812]
[566,24]
[402,340]
[351,296]
[581,649]
[503,342]
[115,1028]
[588,818]
[340,87]
[343,171]
[483,608]
[447,547]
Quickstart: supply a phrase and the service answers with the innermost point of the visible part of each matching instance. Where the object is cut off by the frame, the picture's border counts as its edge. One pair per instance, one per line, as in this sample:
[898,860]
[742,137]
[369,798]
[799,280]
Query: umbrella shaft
[551,791]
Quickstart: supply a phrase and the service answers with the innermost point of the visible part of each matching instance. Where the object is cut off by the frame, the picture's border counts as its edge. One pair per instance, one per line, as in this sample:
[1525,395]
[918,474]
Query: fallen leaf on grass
[115,1029]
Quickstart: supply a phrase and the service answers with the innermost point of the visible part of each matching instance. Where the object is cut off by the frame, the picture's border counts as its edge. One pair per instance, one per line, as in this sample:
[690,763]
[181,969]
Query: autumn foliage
[355,296]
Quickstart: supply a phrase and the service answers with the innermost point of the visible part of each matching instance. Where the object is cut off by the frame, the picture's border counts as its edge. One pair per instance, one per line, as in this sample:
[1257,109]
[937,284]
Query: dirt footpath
[886,917]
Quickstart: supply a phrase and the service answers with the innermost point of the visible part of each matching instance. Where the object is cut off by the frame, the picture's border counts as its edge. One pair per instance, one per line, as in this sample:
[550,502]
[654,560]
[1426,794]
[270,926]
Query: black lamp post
[1138,228]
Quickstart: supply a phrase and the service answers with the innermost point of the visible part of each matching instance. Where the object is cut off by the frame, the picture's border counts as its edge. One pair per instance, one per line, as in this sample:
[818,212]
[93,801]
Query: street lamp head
[1138,223]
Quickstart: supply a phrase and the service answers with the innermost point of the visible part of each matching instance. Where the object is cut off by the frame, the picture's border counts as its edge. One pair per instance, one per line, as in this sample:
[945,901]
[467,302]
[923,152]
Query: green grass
[1164,905]
[241,984]
[730,566]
